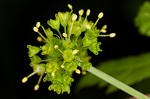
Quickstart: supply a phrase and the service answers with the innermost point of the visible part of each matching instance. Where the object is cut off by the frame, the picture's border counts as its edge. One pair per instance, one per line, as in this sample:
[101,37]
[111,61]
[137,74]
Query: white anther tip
[100,15]
[88,12]
[70,6]
[64,34]
[39,39]
[75,52]
[81,12]
[88,26]
[24,79]
[38,24]
[74,17]
[36,87]
[78,71]
[56,46]
[35,29]
[62,66]
[112,34]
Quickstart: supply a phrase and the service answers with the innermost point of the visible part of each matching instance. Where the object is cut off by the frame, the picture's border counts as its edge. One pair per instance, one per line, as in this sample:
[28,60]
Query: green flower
[59,56]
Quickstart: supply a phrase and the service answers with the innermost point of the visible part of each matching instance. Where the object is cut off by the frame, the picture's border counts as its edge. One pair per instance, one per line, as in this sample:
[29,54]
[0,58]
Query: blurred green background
[17,18]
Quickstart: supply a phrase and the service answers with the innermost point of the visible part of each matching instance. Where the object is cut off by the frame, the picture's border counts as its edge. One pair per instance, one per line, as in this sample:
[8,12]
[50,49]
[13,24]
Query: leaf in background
[128,70]
[142,20]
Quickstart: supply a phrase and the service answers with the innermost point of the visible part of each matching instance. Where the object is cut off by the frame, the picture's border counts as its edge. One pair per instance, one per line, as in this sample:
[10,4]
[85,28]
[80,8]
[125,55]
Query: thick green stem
[117,83]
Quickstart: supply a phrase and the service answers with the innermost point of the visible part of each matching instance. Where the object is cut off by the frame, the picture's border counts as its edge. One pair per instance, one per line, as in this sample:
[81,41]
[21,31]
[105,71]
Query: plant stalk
[117,83]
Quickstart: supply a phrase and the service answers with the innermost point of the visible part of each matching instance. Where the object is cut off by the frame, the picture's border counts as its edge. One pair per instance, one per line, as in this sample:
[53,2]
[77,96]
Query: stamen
[25,79]
[110,35]
[36,87]
[100,15]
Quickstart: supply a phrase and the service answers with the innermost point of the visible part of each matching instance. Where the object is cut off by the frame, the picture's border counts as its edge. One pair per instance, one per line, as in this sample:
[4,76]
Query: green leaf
[129,70]
[142,20]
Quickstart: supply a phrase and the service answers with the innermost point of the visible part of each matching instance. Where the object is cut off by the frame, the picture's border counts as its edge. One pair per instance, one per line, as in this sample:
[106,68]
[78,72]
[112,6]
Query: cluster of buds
[65,52]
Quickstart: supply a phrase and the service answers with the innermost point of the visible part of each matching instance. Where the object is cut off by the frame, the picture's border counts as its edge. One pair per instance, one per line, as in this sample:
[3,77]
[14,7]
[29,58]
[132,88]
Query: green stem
[117,83]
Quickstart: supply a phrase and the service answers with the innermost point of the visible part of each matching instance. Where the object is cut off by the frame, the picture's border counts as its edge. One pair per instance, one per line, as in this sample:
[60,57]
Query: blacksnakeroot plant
[66,52]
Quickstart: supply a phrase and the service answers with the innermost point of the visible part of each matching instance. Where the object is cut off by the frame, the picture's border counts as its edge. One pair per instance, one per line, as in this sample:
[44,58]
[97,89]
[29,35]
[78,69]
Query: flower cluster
[65,52]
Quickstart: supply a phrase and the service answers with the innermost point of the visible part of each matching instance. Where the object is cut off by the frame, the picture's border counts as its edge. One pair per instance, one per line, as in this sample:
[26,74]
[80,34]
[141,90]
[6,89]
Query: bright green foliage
[129,70]
[142,19]
[62,55]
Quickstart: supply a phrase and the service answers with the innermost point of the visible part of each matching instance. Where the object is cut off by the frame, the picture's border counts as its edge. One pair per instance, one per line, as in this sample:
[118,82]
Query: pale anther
[78,71]
[100,15]
[112,34]
[38,24]
[75,52]
[103,30]
[88,26]
[56,46]
[81,12]
[36,87]
[74,17]
[24,79]
[64,34]
[88,12]
[62,66]
[53,74]
[104,27]
[39,39]
[70,6]
[35,29]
